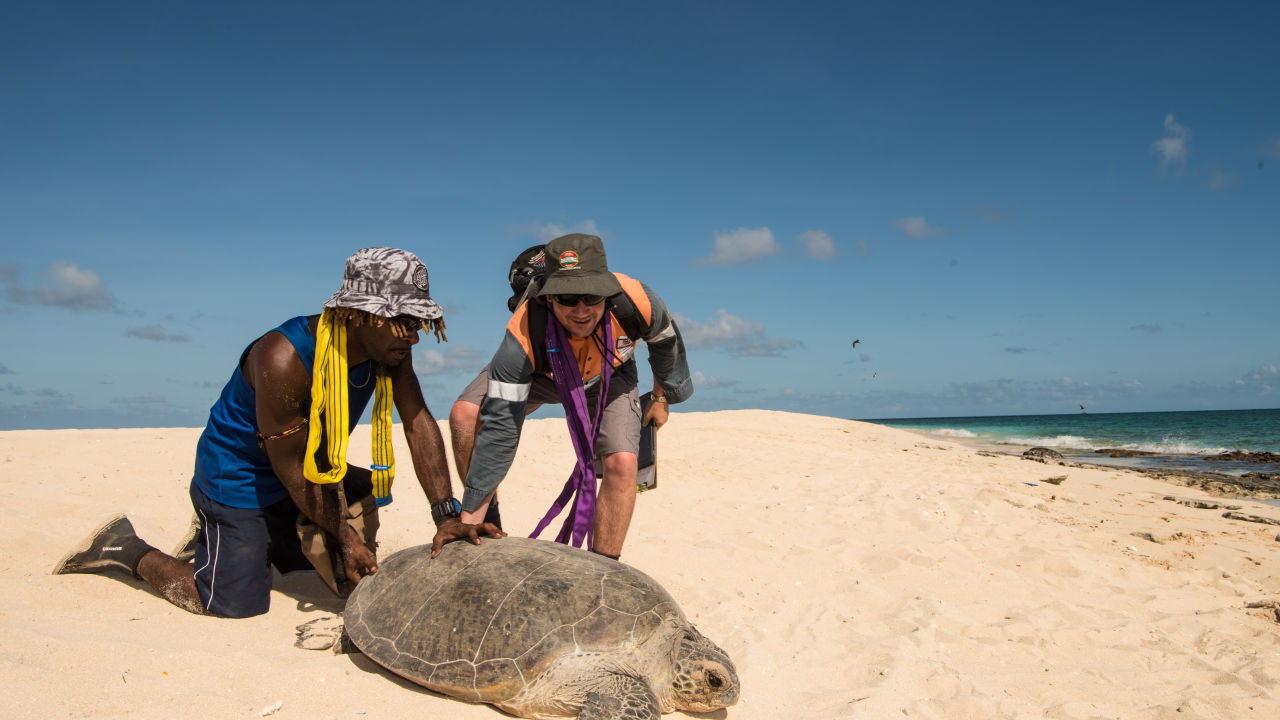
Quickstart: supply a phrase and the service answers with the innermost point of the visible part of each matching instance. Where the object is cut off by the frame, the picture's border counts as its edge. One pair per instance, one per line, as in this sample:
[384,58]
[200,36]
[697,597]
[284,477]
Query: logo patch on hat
[420,278]
[568,259]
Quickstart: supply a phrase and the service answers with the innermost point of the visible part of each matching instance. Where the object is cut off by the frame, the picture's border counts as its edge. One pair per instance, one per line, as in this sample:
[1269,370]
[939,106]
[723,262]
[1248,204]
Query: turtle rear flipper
[325,633]
[632,701]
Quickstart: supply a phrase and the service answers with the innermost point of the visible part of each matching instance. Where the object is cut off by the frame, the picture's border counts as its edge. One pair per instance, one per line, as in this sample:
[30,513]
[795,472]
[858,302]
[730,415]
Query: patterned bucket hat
[386,282]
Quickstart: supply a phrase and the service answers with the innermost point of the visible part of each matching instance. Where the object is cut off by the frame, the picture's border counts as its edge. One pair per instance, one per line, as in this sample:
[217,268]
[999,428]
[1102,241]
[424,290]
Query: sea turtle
[540,630]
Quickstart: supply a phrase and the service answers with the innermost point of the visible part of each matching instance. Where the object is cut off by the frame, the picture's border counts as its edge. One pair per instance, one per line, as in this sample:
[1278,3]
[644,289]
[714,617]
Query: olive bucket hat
[576,264]
[386,282]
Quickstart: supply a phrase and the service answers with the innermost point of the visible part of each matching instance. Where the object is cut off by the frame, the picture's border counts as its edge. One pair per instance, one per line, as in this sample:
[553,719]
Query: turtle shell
[480,622]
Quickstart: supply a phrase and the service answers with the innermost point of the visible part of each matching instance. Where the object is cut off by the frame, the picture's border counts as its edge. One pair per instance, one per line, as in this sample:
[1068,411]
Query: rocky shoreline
[1245,456]
[1257,485]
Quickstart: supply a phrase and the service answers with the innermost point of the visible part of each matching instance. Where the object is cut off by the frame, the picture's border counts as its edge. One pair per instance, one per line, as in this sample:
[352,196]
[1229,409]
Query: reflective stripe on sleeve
[511,392]
[667,333]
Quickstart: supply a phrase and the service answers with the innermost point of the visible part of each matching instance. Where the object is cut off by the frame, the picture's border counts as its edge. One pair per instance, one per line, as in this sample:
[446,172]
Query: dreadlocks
[399,325]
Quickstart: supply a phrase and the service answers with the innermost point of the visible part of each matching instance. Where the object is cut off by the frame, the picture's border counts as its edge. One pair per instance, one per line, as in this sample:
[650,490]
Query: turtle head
[704,676]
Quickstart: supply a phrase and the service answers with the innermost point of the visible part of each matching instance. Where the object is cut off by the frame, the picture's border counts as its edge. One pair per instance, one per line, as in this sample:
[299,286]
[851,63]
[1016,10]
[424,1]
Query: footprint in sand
[879,563]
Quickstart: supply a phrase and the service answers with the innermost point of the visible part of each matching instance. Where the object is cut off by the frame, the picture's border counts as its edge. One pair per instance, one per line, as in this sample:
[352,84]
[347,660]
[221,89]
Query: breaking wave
[952,432]
[1167,446]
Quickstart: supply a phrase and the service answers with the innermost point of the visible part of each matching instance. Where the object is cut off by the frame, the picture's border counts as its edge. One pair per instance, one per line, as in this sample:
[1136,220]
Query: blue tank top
[230,466]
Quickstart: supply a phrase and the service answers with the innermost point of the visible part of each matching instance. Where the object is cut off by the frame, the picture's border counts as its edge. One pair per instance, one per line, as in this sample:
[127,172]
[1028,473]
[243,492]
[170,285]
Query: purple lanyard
[583,430]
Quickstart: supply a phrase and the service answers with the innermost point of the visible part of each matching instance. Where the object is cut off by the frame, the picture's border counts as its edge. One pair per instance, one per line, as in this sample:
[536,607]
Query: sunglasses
[405,325]
[573,300]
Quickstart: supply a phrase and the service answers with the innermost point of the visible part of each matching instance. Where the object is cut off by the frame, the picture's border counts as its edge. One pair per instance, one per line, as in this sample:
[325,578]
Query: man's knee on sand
[237,548]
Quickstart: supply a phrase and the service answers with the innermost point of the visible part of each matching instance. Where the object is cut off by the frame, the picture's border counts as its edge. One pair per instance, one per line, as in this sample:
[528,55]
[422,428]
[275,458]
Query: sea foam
[1167,446]
[952,432]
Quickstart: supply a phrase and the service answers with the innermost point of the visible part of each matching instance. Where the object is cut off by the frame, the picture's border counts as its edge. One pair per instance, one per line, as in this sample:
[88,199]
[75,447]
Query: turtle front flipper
[633,700]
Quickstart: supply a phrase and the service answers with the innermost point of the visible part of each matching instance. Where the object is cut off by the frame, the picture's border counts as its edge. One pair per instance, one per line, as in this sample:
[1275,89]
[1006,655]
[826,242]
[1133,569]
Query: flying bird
[855,343]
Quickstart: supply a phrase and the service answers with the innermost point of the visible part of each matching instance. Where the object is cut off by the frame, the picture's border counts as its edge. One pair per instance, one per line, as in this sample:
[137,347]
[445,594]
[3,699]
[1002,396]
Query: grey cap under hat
[386,282]
[577,265]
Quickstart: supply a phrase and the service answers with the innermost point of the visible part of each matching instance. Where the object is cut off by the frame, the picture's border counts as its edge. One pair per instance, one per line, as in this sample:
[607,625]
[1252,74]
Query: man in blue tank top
[271,483]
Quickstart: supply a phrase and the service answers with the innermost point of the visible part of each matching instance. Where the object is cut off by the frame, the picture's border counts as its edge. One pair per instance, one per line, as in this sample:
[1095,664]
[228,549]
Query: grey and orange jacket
[519,357]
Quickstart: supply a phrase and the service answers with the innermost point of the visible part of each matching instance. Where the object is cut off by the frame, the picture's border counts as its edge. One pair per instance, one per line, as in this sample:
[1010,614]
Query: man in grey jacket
[598,317]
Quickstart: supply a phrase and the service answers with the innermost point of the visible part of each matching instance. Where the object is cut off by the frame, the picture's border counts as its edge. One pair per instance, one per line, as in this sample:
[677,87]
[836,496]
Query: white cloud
[916,227]
[156,333]
[1266,372]
[1220,180]
[1260,381]
[991,214]
[449,361]
[741,246]
[765,347]
[1174,147]
[546,232]
[68,286]
[1264,379]
[817,244]
[738,336]
[143,401]
[722,330]
[710,382]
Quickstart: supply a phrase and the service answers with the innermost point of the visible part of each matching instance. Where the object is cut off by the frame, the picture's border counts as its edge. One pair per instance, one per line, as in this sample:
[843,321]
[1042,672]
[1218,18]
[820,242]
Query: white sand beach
[850,570]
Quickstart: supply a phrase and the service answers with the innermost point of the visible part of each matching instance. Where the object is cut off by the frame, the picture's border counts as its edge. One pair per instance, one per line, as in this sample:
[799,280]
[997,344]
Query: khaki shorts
[323,551]
[619,423]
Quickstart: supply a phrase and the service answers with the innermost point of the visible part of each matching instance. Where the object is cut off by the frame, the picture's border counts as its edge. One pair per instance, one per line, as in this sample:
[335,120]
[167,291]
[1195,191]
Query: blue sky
[1015,207]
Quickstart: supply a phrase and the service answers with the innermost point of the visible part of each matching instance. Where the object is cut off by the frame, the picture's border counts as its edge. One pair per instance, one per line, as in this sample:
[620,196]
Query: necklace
[367,376]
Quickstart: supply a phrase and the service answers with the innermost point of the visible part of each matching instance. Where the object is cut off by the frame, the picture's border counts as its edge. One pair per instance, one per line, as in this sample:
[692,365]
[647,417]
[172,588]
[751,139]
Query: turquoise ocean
[1180,440]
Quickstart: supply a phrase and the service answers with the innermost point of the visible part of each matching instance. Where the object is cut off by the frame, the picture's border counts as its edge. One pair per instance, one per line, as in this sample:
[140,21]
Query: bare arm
[426,446]
[282,387]
[666,353]
[658,412]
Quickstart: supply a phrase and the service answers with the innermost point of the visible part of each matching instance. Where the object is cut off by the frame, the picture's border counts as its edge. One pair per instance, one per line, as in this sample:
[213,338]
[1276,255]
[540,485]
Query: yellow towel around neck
[329,398]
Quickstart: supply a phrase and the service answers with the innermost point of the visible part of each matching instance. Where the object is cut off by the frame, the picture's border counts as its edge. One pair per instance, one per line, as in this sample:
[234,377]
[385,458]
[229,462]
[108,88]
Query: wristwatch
[447,508]
[660,398]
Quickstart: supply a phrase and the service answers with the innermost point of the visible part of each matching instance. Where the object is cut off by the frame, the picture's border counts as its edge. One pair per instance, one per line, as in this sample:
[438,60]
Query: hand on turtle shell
[357,561]
[454,529]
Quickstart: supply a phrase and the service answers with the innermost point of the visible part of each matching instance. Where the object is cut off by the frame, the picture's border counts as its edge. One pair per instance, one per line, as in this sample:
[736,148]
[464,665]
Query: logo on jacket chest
[624,348]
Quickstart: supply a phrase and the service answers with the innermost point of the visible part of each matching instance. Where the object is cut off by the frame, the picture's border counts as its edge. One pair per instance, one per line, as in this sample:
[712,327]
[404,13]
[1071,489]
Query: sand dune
[851,571]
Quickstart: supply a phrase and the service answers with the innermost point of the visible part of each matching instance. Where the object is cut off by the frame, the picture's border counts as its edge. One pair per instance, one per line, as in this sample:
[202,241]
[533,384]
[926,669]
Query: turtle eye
[715,681]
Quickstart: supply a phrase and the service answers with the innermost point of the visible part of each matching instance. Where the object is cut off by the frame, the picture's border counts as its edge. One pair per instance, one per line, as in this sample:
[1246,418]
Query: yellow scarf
[329,397]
